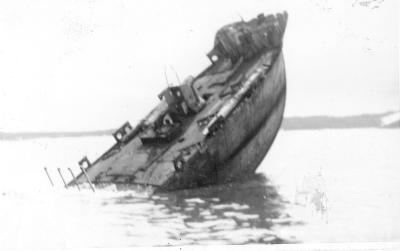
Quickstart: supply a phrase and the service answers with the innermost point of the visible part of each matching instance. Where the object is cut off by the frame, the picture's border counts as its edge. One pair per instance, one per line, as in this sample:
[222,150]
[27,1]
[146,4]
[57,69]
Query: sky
[94,64]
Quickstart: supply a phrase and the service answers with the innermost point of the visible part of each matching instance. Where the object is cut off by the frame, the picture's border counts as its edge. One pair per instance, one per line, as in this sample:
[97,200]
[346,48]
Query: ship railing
[72,182]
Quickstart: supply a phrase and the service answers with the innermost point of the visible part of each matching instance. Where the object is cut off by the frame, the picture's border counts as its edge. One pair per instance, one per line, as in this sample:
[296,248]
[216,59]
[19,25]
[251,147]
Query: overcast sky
[93,64]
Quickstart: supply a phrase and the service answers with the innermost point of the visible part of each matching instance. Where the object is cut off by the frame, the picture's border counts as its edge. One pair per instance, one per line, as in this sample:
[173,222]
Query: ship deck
[134,162]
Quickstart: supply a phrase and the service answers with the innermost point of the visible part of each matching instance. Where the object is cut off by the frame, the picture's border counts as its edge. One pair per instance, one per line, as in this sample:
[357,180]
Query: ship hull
[237,150]
[215,127]
[254,151]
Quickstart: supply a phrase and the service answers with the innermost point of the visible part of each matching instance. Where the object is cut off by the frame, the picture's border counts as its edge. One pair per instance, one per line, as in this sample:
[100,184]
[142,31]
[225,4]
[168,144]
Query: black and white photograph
[183,125]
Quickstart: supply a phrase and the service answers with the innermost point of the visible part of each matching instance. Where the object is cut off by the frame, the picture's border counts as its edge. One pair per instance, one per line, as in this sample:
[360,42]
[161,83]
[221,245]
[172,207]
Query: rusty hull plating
[212,128]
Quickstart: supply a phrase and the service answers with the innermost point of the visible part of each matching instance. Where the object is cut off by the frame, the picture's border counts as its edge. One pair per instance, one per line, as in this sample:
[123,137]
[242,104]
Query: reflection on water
[235,213]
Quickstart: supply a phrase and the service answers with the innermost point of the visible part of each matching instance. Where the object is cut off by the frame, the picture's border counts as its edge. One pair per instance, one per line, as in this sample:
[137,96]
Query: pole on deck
[48,175]
[65,184]
[74,178]
[87,178]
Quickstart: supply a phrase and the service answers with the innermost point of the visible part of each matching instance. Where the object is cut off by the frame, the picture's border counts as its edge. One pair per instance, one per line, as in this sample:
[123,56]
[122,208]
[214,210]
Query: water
[34,214]
[301,193]
[236,213]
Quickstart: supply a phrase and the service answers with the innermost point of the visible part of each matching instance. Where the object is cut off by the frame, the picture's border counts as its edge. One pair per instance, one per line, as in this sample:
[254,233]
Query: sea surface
[315,185]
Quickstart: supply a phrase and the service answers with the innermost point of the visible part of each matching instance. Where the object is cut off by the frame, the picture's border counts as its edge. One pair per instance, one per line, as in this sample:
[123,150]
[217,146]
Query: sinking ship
[212,128]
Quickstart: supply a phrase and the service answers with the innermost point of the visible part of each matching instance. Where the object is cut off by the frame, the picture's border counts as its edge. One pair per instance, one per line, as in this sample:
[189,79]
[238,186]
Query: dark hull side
[247,160]
[238,149]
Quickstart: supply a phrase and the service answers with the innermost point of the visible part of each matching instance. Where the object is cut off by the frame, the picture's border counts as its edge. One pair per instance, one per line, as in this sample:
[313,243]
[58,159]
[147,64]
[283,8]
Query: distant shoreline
[289,124]
[33,135]
[379,120]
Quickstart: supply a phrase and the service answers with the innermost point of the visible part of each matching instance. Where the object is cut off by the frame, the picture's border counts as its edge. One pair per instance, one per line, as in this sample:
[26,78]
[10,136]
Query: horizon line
[315,122]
